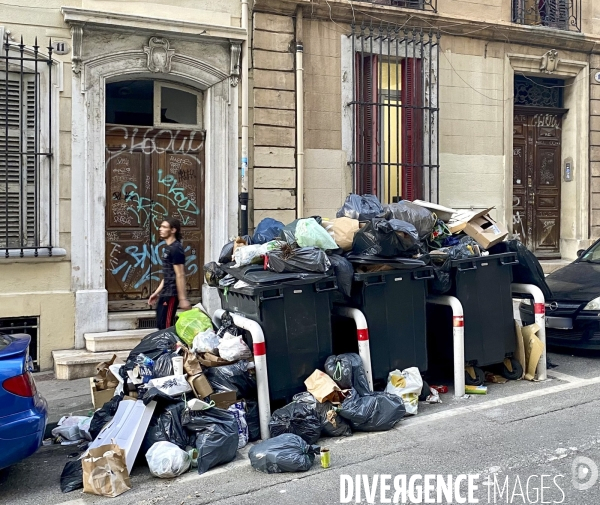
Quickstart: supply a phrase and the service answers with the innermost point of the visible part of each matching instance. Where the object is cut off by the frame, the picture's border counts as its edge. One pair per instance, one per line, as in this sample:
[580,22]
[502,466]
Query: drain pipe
[260,365]
[243,198]
[299,116]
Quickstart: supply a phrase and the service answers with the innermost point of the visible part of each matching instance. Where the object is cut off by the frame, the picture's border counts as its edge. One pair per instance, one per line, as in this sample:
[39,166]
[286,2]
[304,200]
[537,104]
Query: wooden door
[151,174]
[537,180]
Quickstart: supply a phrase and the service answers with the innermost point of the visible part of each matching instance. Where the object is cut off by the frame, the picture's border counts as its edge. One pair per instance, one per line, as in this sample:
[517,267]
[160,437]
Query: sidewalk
[64,397]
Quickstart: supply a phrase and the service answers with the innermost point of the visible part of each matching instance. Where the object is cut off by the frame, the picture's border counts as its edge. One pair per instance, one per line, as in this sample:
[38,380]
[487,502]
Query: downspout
[243,199]
[299,117]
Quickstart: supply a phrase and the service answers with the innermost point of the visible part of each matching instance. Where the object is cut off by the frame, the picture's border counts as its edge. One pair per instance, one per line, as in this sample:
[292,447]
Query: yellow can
[325,458]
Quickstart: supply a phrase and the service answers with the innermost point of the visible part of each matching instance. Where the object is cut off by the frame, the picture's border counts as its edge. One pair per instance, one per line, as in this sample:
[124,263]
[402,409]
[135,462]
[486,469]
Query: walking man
[170,293]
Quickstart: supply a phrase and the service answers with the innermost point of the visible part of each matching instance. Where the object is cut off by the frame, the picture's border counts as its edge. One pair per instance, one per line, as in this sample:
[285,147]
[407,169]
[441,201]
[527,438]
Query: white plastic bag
[407,384]
[206,341]
[234,349]
[309,233]
[249,254]
[172,385]
[73,428]
[239,411]
[166,460]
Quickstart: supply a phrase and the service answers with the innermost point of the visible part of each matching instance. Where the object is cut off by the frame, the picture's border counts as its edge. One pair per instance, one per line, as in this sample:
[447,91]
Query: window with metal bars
[559,14]
[395,149]
[25,154]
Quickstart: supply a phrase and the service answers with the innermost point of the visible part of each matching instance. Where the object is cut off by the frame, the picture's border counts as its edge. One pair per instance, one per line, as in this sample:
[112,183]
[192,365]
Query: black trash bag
[154,394]
[442,281]
[285,453]
[425,392]
[332,425]
[297,418]
[363,207]
[344,273]
[71,477]
[304,259]
[529,270]
[252,420]
[236,377]
[216,436]
[465,248]
[422,218]
[163,365]
[213,273]
[348,372]
[227,251]
[389,239]
[376,411]
[268,229]
[104,415]
[288,232]
[165,426]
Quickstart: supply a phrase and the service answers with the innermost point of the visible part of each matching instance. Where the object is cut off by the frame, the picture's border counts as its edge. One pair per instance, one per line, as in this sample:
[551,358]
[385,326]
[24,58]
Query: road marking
[563,376]
[243,461]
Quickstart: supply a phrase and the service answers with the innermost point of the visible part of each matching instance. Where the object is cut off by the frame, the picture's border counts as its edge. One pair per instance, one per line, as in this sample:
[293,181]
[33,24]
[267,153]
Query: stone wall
[595,150]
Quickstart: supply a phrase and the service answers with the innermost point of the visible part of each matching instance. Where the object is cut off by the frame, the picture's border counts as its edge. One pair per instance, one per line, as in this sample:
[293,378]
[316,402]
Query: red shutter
[412,125]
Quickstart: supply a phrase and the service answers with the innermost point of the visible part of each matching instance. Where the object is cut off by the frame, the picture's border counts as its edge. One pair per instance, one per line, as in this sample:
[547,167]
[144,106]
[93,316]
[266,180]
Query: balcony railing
[423,5]
[559,14]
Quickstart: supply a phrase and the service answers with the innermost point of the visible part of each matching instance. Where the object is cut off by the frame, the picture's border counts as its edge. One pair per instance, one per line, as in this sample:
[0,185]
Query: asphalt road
[519,438]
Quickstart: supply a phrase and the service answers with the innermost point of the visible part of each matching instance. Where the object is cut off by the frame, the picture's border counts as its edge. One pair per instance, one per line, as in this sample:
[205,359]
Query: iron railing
[395,148]
[559,14]
[424,5]
[25,149]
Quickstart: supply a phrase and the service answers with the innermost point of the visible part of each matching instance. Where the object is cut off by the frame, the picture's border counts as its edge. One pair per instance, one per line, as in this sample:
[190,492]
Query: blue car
[23,411]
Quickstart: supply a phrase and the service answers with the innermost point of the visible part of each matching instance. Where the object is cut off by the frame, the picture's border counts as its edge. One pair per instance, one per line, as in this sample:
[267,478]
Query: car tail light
[21,385]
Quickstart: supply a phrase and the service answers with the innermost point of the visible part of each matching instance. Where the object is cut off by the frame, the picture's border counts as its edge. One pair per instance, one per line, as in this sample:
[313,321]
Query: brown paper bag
[105,471]
[104,378]
[191,365]
[211,360]
[323,388]
[342,230]
[533,350]
[520,349]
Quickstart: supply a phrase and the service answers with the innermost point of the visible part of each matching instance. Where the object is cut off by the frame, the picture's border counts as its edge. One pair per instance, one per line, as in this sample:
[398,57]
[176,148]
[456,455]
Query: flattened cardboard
[200,386]
[459,220]
[211,360]
[443,213]
[224,400]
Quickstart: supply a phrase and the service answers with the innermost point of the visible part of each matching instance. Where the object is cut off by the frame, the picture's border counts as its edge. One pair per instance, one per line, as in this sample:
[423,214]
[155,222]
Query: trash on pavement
[226,255]
[73,428]
[217,436]
[420,217]
[323,387]
[173,385]
[200,385]
[494,378]
[167,461]
[325,458]
[406,384]
[476,390]
[253,420]
[480,226]
[305,259]
[71,477]
[165,426]
[348,372]
[234,348]
[105,471]
[104,378]
[210,360]
[342,231]
[433,397]
[309,233]
[443,213]
[375,411]
[363,207]
[298,418]
[268,229]
[100,397]
[213,273]
[224,400]
[533,348]
[235,377]
[344,273]
[238,409]
[332,424]
[284,453]
[206,341]
[104,415]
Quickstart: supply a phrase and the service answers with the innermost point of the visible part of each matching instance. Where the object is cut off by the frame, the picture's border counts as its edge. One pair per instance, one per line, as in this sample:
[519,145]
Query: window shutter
[412,122]
[18,175]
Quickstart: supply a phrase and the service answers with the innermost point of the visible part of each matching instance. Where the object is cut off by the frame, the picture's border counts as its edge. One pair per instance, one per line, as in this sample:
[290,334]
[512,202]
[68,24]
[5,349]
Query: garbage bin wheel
[479,377]
[517,370]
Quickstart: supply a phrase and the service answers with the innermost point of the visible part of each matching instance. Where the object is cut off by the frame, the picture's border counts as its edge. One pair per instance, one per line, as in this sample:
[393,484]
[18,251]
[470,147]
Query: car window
[5,341]
[593,254]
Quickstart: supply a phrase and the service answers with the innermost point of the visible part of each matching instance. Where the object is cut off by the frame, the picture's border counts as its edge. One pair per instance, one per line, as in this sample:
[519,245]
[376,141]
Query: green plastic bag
[190,323]
[309,233]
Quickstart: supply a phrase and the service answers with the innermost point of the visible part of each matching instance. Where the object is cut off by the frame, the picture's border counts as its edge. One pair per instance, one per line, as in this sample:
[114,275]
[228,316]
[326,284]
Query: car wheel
[517,370]
[479,378]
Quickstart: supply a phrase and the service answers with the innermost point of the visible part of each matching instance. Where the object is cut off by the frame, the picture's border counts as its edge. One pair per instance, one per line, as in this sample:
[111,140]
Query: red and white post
[458,339]
[362,335]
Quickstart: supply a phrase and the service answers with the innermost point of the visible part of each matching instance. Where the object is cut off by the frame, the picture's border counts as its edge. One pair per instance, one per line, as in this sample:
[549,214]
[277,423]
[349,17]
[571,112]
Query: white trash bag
[172,385]
[408,385]
[239,411]
[167,461]
[206,341]
[234,348]
[73,428]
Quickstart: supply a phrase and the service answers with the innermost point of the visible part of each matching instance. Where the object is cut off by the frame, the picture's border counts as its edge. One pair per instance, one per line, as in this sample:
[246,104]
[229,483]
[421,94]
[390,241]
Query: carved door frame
[537,195]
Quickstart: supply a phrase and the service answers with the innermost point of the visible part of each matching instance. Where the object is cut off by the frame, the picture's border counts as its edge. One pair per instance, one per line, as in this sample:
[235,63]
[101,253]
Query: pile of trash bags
[194,387]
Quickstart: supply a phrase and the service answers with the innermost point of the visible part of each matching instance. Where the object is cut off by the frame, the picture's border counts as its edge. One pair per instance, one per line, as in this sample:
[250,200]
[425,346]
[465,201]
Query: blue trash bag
[268,229]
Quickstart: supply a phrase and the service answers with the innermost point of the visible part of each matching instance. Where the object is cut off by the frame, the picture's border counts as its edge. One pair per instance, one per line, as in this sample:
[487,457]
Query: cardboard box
[459,219]
[211,360]
[99,398]
[486,231]
[224,400]
[200,386]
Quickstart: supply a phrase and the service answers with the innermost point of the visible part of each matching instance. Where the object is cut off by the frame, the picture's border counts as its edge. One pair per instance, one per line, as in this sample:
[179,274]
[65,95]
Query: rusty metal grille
[395,148]
[559,14]
[538,92]
[28,325]
[25,148]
